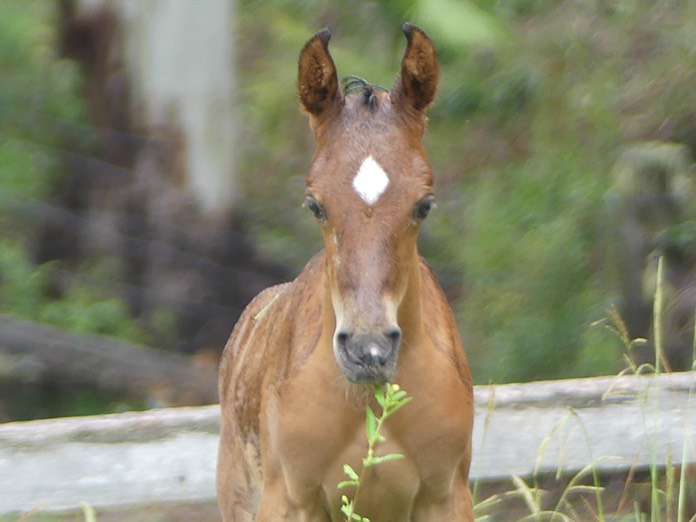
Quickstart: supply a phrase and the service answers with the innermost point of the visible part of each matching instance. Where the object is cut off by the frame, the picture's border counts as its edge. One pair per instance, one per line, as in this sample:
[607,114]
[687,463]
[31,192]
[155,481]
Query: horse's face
[370,187]
[369,190]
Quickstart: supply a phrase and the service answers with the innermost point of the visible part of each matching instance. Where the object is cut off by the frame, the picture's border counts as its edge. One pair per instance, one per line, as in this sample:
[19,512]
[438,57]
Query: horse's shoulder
[254,312]
[432,292]
[441,323]
[259,339]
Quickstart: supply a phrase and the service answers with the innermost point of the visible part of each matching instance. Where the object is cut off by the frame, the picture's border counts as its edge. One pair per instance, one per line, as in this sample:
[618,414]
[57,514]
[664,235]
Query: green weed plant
[390,398]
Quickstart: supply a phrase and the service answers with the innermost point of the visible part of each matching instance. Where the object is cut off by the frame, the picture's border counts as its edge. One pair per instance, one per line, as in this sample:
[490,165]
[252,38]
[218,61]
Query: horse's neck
[410,315]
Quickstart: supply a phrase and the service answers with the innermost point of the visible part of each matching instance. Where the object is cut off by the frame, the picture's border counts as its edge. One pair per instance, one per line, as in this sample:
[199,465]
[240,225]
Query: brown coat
[298,369]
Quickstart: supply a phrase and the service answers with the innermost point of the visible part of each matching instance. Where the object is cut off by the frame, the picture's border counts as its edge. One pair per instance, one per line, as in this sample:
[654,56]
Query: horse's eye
[424,207]
[315,208]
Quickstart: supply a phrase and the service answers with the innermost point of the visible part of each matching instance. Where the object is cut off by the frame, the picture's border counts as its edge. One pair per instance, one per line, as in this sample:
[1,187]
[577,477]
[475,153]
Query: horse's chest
[313,438]
[387,489]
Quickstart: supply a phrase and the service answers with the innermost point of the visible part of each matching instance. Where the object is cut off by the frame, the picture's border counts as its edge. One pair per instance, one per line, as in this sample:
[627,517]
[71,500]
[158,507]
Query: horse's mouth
[367,375]
[372,363]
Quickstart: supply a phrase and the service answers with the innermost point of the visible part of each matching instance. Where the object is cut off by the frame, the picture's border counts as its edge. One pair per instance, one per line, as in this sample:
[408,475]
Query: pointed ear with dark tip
[317,82]
[417,82]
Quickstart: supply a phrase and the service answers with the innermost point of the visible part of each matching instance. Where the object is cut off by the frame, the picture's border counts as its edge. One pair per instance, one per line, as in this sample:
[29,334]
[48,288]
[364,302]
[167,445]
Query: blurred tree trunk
[167,67]
[158,201]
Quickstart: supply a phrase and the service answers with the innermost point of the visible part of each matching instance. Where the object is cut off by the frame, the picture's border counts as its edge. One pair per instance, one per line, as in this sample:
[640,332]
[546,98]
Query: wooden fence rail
[169,455]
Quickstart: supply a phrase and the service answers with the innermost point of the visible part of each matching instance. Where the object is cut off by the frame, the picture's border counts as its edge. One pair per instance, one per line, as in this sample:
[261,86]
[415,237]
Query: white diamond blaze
[371,181]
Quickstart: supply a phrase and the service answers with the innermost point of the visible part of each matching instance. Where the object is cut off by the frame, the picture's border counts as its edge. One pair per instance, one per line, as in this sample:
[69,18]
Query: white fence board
[614,422]
[169,455]
[109,460]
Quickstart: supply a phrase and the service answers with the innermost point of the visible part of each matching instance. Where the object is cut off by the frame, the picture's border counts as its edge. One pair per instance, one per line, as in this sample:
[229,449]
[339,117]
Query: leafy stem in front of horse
[390,398]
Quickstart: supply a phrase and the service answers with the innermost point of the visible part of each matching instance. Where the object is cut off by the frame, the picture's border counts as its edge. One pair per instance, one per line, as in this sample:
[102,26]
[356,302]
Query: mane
[354,85]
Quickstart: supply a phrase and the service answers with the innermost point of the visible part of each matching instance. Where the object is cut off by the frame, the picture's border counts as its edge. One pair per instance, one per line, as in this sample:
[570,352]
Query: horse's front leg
[455,505]
[276,505]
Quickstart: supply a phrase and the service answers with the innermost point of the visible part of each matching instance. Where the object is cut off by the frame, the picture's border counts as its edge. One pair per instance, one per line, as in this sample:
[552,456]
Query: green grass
[668,489]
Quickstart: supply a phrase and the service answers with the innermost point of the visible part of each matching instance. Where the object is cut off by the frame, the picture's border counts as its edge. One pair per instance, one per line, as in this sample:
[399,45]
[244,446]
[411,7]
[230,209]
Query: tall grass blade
[551,516]
[573,487]
[658,308]
[528,495]
[669,487]
[88,512]
[490,408]
[681,495]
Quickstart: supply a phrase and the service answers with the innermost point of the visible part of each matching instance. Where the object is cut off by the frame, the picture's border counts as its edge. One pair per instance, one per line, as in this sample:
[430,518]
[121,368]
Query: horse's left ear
[317,81]
[417,82]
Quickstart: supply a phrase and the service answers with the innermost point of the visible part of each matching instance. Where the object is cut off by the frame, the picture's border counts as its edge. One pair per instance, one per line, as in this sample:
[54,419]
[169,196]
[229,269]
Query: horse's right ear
[418,79]
[317,81]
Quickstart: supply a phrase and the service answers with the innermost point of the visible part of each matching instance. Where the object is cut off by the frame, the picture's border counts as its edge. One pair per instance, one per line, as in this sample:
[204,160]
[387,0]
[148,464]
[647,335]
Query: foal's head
[369,187]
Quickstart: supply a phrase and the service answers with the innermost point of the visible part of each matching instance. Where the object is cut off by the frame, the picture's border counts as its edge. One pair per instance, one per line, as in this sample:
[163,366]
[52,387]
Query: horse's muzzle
[367,358]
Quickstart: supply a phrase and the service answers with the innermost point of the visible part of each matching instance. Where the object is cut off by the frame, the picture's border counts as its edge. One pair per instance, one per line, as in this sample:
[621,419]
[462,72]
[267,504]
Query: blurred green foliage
[535,99]
[40,106]
[25,291]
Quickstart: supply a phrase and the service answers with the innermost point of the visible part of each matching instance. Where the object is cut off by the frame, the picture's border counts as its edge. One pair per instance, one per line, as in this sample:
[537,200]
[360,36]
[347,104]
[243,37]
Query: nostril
[342,338]
[394,336]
